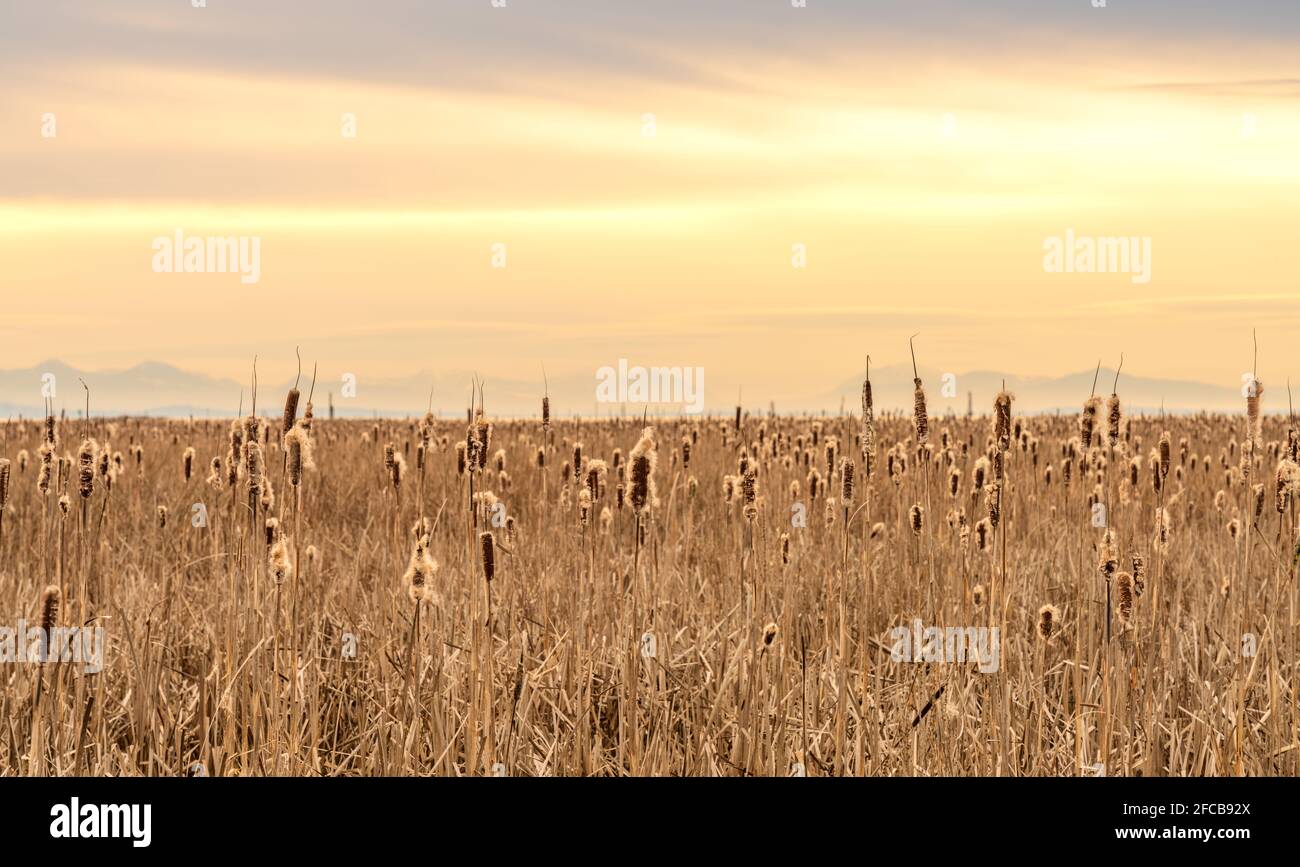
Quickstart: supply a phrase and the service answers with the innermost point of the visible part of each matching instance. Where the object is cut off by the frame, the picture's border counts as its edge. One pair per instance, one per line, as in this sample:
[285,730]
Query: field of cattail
[283,594]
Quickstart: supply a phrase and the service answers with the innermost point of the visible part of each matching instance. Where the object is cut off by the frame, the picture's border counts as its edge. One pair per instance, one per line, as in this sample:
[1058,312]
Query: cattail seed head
[1049,622]
[1124,596]
[1112,420]
[86,463]
[290,411]
[488,544]
[642,459]
[1002,420]
[420,571]
[919,416]
[50,599]
[1088,421]
[279,563]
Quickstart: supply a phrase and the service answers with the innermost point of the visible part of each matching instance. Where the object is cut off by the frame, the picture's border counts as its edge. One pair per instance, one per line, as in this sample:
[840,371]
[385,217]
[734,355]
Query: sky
[767,191]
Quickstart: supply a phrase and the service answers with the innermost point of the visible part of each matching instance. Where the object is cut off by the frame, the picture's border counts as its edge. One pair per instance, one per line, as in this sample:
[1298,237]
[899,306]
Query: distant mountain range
[157,389]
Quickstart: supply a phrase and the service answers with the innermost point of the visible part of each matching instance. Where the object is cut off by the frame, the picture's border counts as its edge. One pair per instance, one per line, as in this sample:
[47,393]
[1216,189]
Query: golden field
[723,608]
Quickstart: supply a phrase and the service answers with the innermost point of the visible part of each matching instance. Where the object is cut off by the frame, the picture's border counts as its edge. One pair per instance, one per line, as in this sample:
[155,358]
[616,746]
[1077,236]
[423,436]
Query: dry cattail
[785,549]
[420,571]
[1112,420]
[279,562]
[919,416]
[1124,597]
[1139,574]
[1002,420]
[993,500]
[769,634]
[642,459]
[290,411]
[296,446]
[4,482]
[488,544]
[977,595]
[1049,622]
[1088,421]
[86,462]
[868,430]
[187,463]
[916,517]
[1288,483]
[847,469]
[162,517]
[1254,389]
[253,470]
[50,599]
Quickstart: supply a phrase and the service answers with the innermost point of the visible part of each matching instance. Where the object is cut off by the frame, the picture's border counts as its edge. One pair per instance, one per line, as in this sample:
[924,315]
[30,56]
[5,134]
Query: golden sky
[922,174]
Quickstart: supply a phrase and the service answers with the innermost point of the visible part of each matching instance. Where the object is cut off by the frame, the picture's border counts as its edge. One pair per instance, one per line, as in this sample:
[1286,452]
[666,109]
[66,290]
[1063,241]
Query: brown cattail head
[488,544]
[1254,389]
[1088,421]
[290,411]
[1112,420]
[187,463]
[977,595]
[50,599]
[1049,622]
[1139,574]
[484,432]
[769,634]
[546,413]
[297,445]
[919,415]
[847,469]
[642,460]
[916,517]
[1002,420]
[4,482]
[253,469]
[785,548]
[1288,483]
[868,430]
[993,500]
[1165,457]
[1124,597]
[86,463]
[162,517]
